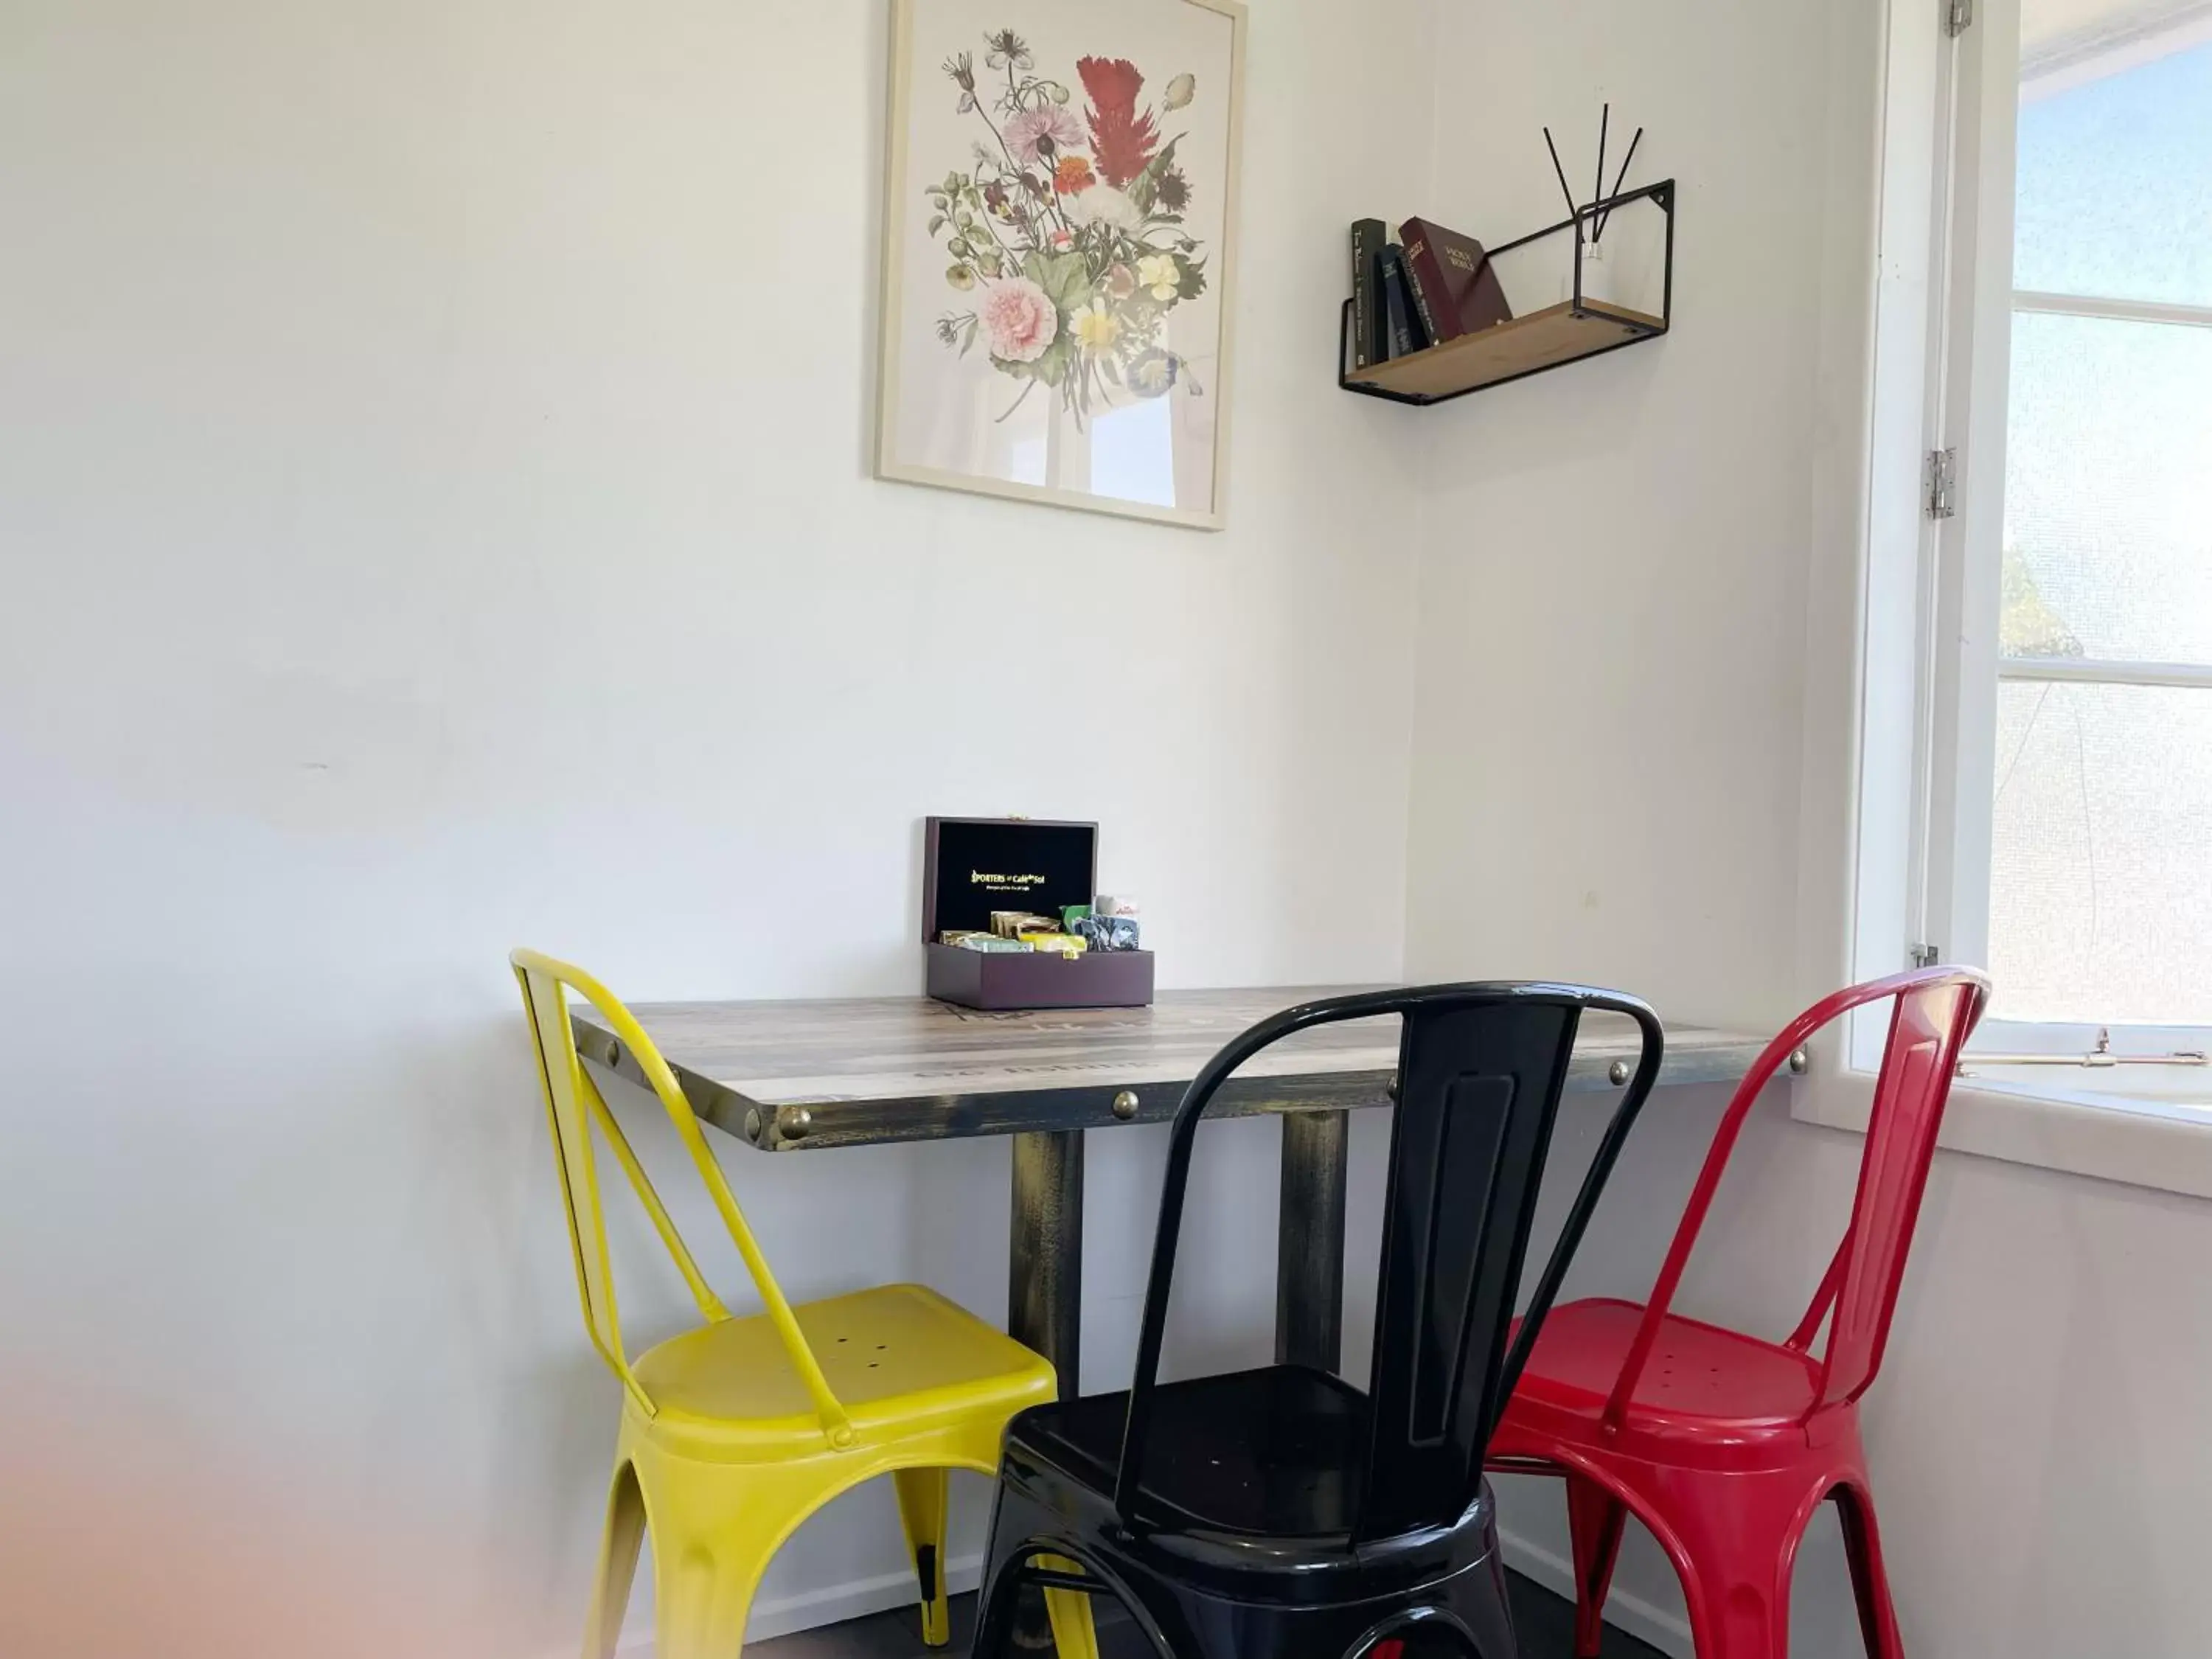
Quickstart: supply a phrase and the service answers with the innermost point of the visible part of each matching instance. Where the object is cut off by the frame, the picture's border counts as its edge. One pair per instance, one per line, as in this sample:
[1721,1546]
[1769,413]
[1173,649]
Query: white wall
[1633,749]
[1582,803]
[435,515]
[434,511]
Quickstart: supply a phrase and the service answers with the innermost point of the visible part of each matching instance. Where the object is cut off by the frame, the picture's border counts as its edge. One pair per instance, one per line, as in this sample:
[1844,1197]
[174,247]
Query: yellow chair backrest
[573,1105]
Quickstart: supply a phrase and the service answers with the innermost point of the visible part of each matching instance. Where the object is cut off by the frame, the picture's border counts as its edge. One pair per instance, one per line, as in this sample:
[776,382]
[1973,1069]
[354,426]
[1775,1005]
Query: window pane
[2100,887]
[2108,490]
[2115,158]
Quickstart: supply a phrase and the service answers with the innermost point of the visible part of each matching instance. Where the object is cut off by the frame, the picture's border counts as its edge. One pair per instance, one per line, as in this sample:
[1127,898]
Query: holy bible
[1453,282]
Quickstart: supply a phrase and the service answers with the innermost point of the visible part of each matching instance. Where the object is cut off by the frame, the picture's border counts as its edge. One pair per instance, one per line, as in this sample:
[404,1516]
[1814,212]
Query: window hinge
[1926,955]
[1958,16]
[1939,479]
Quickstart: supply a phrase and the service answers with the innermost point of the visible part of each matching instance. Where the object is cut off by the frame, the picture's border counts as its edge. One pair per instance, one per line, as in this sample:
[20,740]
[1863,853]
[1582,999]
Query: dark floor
[1543,1621]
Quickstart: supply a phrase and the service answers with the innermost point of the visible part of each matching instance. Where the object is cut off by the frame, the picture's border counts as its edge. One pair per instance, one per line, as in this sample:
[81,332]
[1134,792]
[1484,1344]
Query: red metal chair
[1722,1444]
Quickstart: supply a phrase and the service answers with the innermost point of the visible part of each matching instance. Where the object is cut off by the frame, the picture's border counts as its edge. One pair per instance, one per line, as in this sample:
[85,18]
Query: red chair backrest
[1936,1009]
[1930,1023]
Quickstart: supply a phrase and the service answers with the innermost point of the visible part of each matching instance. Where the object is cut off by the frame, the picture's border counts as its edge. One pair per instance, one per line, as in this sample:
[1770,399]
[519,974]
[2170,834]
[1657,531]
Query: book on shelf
[1453,282]
[1371,342]
[1406,336]
[1424,309]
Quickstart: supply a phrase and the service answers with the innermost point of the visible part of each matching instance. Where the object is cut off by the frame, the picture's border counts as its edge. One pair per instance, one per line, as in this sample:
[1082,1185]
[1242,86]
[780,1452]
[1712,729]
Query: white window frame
[1956,849]
[1925,737]
[1929,652]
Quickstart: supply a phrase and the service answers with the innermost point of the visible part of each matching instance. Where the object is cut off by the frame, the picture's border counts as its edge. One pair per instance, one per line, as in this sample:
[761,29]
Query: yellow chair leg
[922,1497]
[702,1595]
[713,1528]
[1072,1632]
[618,1546]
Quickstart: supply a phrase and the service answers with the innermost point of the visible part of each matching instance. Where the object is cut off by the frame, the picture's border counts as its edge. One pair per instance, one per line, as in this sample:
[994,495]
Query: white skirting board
[830,1606]
[1632,1613]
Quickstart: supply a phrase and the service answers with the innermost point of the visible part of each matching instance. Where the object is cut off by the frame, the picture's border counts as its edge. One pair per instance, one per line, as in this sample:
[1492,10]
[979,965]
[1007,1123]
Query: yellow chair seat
[898,1354]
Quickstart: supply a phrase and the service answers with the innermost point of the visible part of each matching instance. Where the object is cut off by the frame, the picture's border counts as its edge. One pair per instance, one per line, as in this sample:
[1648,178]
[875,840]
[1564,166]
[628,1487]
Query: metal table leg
[1309,1241]
[1045,1288]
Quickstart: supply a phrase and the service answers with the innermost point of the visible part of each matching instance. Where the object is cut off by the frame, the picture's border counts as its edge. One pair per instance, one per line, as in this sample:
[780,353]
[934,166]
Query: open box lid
[972,867]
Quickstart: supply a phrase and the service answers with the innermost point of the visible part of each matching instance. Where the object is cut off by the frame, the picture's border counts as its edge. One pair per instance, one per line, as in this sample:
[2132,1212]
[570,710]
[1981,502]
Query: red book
[1453,282]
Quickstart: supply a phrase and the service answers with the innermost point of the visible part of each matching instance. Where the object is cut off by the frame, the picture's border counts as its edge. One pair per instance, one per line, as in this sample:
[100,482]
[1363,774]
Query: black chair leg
[1190,1625]
[1480,1602]
[1005,1626]
[1043,1564]
[994,1612]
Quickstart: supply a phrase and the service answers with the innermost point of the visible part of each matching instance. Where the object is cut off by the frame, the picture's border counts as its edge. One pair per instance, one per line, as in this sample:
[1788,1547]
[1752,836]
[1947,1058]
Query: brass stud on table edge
[1617,1073]
[1799,1059]
[793,1122]
[1125,1104]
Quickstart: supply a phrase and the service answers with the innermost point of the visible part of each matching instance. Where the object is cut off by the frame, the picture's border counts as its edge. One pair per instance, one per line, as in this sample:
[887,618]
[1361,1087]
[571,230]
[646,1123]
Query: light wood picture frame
[1059,228]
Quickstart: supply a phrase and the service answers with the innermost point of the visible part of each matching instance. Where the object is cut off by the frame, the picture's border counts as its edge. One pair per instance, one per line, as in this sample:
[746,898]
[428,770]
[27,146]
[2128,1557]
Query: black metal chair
[1282,1513]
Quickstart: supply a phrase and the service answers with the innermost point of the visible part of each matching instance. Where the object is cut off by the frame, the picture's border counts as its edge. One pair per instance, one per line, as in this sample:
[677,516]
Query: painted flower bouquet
[1069,233]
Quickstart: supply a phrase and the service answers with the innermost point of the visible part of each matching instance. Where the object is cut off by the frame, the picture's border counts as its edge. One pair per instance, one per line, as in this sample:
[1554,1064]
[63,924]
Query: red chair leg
[1869,1578]
[1594,1521]
[1733,1538]
[1744,1619]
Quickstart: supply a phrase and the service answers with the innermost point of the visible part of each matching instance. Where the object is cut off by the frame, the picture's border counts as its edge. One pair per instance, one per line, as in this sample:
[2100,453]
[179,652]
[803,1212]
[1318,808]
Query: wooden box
[972,867]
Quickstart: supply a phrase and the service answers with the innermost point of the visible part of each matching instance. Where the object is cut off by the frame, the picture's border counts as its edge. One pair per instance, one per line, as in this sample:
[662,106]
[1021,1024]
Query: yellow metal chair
[734,1433]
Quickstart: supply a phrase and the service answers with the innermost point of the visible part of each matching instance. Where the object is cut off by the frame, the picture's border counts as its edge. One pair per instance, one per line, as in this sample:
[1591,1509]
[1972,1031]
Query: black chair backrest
[1481,1068]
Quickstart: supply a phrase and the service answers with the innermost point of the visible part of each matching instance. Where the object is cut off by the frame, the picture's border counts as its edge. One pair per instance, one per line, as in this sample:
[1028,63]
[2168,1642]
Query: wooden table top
[790,1076]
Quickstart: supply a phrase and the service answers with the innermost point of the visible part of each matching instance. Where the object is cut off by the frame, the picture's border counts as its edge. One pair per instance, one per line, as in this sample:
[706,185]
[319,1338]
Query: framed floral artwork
[1059,252]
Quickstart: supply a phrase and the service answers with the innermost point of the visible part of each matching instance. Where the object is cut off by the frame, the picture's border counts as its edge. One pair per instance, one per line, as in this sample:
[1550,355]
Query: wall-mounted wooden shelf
[1563,333]
[1543,339]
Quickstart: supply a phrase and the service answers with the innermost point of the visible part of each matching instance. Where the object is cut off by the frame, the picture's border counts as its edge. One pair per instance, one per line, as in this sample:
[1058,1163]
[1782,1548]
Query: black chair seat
[1250,1486]
[1271,1452]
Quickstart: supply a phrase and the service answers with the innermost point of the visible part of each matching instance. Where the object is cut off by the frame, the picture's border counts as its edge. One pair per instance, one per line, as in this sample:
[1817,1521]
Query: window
[2051,642]
[2101,860]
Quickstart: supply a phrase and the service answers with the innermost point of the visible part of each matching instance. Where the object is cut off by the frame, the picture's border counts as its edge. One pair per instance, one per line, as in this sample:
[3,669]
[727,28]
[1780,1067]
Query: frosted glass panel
[2108,490]
[2101,890]
[2115,176]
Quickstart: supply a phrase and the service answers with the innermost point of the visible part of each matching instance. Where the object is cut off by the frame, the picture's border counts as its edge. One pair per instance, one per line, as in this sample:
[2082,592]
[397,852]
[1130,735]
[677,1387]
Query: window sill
[2161,1142]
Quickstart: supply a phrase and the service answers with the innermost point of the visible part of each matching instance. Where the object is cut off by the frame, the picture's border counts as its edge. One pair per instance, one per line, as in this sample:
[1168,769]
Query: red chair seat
[1698,1375]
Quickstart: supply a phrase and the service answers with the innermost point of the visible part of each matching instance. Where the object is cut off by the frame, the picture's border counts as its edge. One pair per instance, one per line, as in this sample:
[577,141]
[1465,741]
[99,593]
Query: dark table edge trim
[826,1123]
